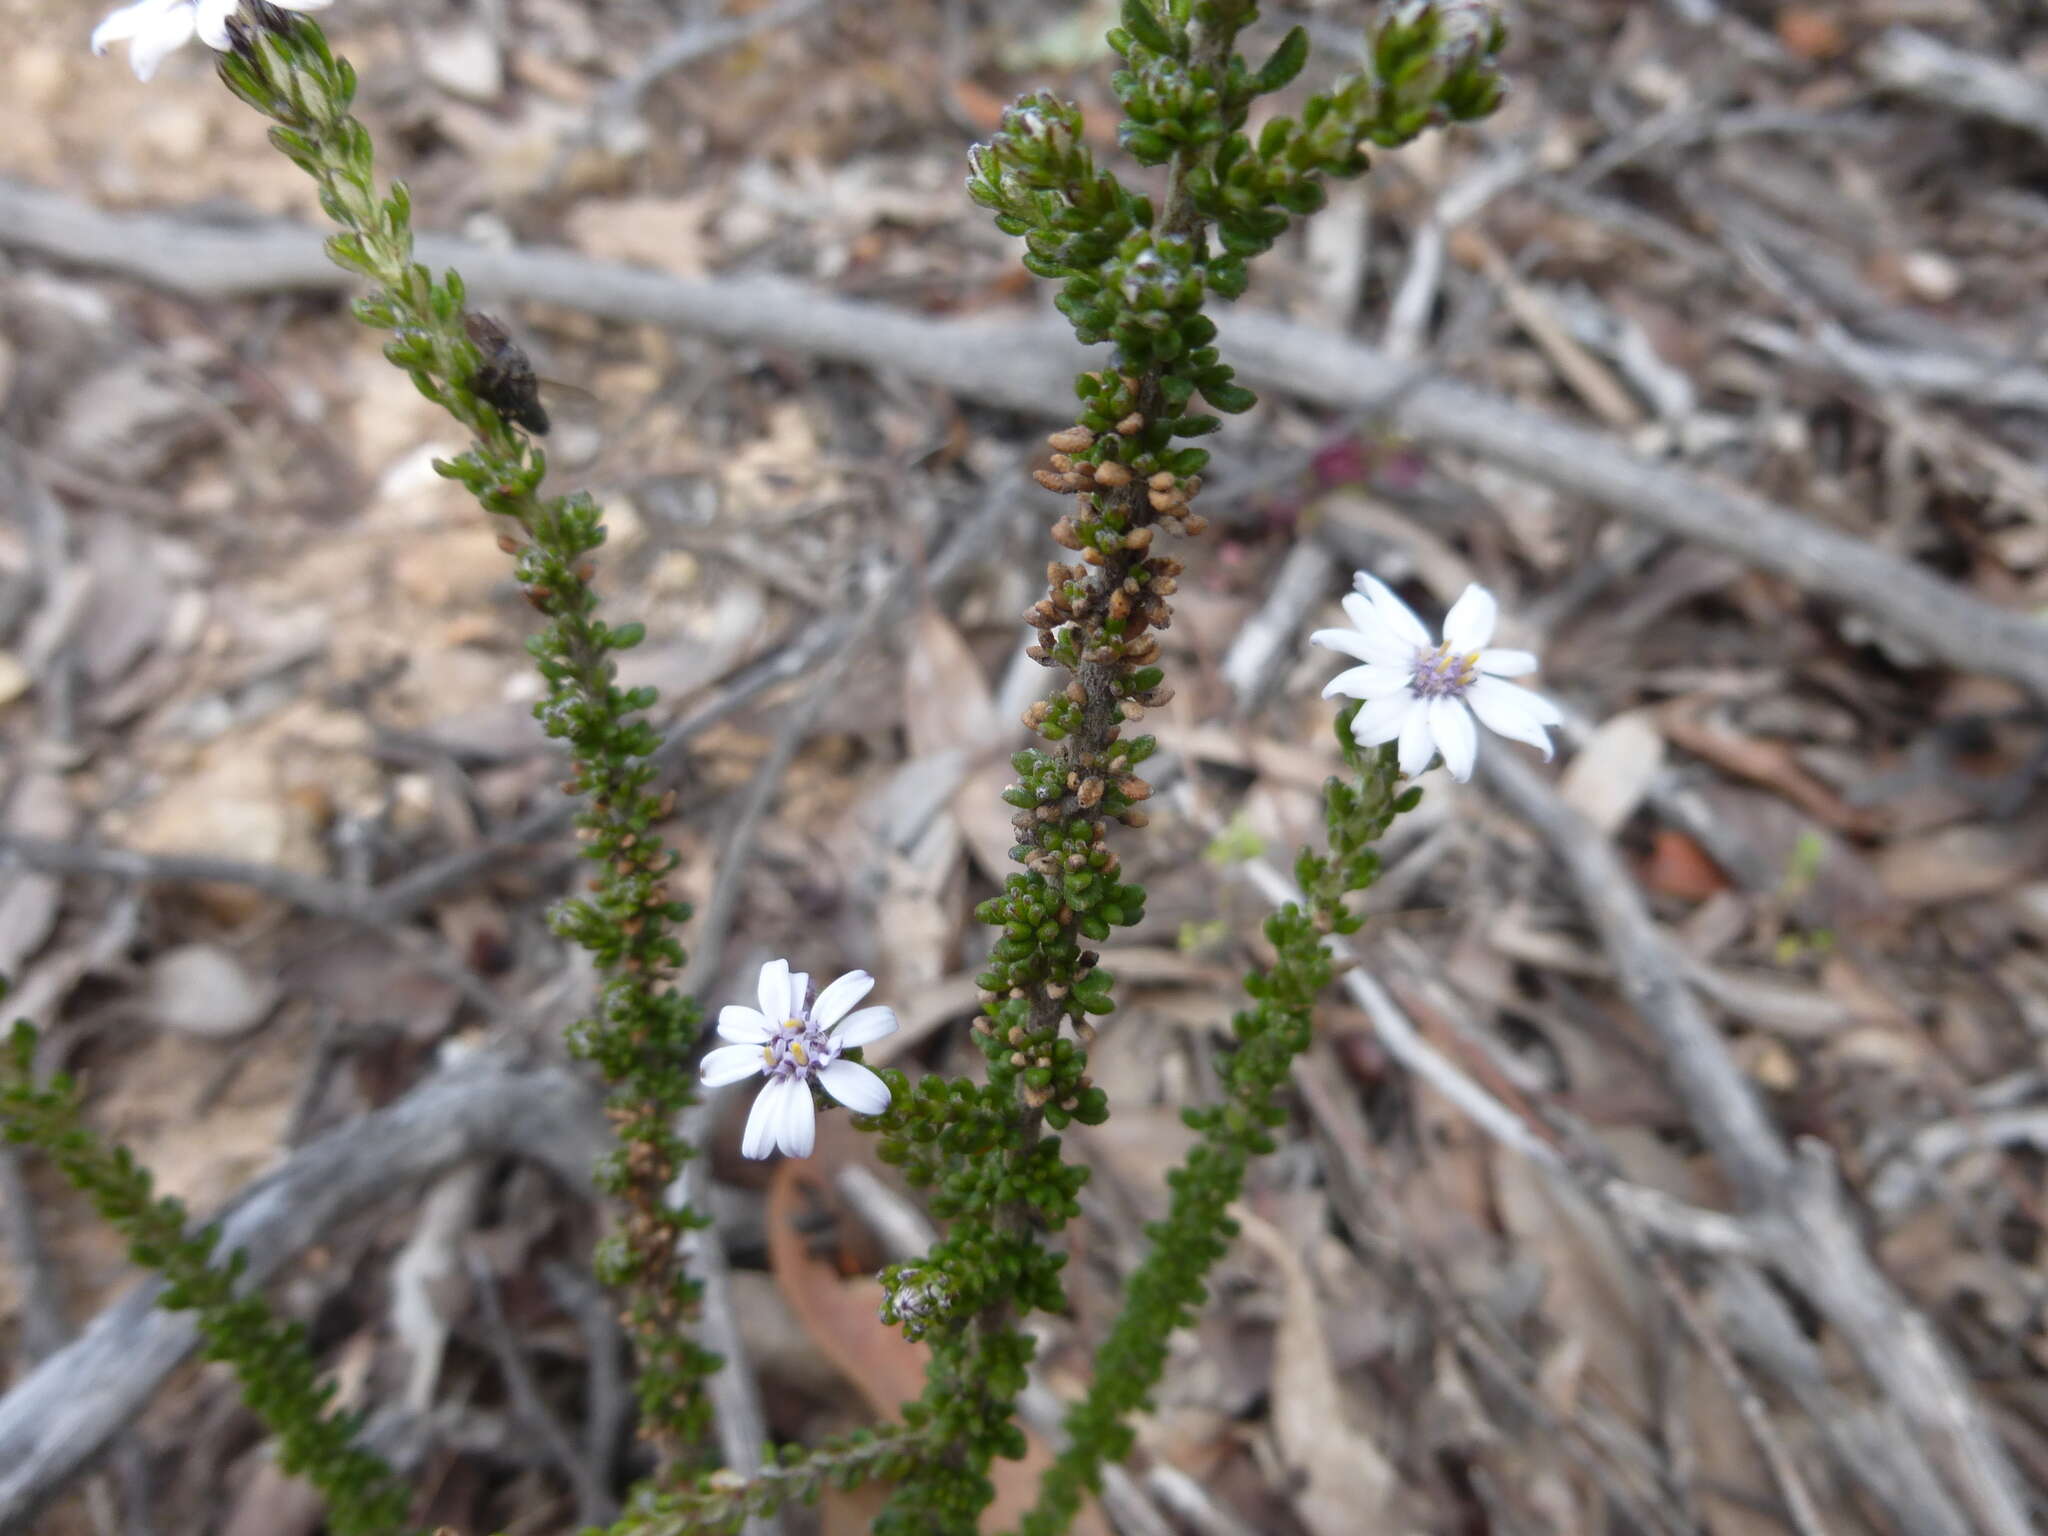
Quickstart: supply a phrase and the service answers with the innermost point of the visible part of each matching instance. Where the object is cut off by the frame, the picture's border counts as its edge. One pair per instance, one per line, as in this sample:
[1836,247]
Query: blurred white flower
[155,29]
[1424,694]
[793,1046]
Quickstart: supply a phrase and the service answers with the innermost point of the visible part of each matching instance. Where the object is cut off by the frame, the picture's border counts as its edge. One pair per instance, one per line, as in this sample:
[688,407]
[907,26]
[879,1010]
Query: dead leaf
[129,604]
[430,1287]
[1773,764]
[1592,1290]
[1681,868]
[1787,1005]
[203,1159]
[30,899]
[1612,773]
[919,910]
[843,1315]
[666,233]
[1957,863]
[946,700]
[273,1502]
[464,61]
[14,678]
[450,568]
[204,990]
[983,817]
[229,805]
[1343,1481]
[1828,881]
[1811,33]
[851,1511]
[129,421]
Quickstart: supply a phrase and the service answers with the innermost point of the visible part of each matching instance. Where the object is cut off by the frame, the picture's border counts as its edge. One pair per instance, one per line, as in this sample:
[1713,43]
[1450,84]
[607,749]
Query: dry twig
[1030,366]
[62,1415]
[1792,1202]
[1924,66]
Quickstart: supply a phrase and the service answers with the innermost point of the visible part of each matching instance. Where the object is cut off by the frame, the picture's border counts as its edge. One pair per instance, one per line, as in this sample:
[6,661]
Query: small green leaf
[1231,399]
[1143,23]
[1285,63]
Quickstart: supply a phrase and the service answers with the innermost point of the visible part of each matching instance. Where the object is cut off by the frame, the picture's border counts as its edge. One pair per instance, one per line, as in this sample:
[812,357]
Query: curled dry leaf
[1345,1482]
[1687,724]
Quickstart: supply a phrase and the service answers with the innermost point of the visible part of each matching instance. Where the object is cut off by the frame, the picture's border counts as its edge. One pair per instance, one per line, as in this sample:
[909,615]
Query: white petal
[856,1087]
[775,991]
[1378,640]
[1349,641]
[834,1002]
[730,1063]
[1381,720]
[1507,663]
[305,5]
[1366,682]
[212,21]
[759,1138]
[864,1027]
[1399,617]
[1469,624]
[1376,643]
[796,1118]
[741,1025]
[1451,724]
[119,26]
[1540,709]
[158,39]
[1417,745]
[1513,712]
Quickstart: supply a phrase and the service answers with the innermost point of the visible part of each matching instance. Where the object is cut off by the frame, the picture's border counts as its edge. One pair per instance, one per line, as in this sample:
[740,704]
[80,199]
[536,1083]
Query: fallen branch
[736,1412]
[1028,367]
[1925,67]
[1791,1198]
[64,1413]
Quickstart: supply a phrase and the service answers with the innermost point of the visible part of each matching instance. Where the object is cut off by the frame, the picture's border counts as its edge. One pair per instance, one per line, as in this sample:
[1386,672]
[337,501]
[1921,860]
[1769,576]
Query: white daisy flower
[155,29]
[794,1046]
[1424,694]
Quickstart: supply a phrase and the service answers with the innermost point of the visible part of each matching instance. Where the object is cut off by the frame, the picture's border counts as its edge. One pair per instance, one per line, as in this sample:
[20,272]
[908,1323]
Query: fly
[504,377]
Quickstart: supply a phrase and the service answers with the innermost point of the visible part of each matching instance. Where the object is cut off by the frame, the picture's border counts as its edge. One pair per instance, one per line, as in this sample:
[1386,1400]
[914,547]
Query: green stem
[644,1032]
[1169,1284]
[272,1359]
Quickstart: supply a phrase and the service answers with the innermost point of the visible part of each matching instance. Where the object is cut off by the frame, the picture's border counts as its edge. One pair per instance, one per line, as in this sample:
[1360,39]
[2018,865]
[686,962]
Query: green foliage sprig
[269,1356]
[644,1032]
[1137,274]
[722,1502]
[1168,1286]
